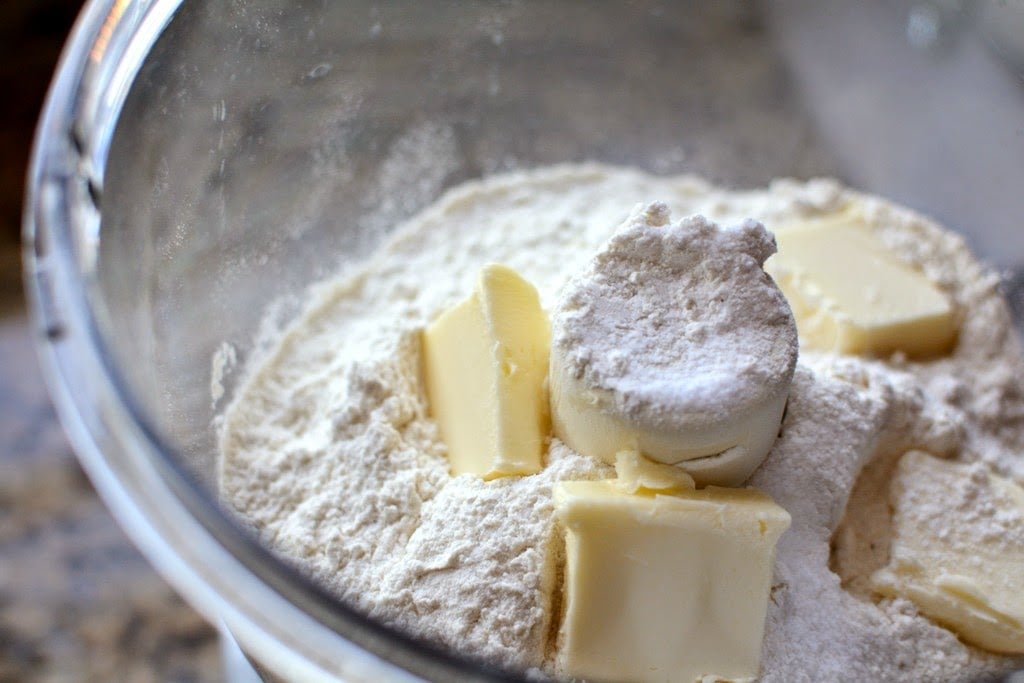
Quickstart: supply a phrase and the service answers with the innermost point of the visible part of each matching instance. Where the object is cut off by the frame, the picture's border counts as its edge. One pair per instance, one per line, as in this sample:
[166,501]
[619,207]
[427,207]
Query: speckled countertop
[77,601]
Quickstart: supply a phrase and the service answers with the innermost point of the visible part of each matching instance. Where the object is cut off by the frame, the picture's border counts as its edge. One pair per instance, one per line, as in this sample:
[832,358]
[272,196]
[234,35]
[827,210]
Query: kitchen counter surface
[77,601]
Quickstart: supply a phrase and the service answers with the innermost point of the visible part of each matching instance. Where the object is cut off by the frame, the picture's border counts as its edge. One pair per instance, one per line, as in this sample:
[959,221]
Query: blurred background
[77,601]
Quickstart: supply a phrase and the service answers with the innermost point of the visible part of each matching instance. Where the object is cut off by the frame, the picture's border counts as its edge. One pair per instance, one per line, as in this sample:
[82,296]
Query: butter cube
[485,363]
[634,472]
[669,588]
[957,549]
[851,295]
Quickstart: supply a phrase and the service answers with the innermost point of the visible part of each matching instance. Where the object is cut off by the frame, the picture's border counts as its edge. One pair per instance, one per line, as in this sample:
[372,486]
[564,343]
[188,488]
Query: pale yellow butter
[958,550]
[850,294]
[634,472]
[485,364]
[665,587]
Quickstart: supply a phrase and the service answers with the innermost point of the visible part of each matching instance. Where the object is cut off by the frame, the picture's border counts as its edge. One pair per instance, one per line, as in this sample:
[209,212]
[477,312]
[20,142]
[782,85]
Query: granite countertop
[77,601]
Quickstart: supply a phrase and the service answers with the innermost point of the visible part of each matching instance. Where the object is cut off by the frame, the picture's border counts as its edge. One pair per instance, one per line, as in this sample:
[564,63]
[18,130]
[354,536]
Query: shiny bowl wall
[200,164]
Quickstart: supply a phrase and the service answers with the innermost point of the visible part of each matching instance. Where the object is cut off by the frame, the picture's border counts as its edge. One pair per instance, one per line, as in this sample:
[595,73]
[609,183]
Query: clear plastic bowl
[197,161]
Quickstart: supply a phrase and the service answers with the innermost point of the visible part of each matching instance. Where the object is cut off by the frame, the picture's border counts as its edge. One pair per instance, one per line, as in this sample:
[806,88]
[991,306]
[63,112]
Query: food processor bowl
[200,164]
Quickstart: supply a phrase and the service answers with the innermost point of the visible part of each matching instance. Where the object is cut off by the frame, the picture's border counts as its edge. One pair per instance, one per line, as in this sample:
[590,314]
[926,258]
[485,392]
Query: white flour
[328,453]
[650,309]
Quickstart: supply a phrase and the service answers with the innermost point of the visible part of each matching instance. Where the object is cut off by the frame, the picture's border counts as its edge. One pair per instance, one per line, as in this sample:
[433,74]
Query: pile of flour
[327,450]
[648,309]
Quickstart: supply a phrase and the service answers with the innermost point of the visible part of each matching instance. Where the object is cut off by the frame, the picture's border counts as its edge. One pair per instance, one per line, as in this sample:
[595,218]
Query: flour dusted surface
[327,450]
[636,320]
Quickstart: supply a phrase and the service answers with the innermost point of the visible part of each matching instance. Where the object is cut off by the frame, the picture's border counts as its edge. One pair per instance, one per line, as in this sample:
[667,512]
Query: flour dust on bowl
[437,342]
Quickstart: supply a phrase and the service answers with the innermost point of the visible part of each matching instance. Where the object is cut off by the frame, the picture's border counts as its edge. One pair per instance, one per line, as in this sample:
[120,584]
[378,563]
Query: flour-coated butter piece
[674,343]
[635,472]
[485,362]
[957,549]
[850,294]
[663,587]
